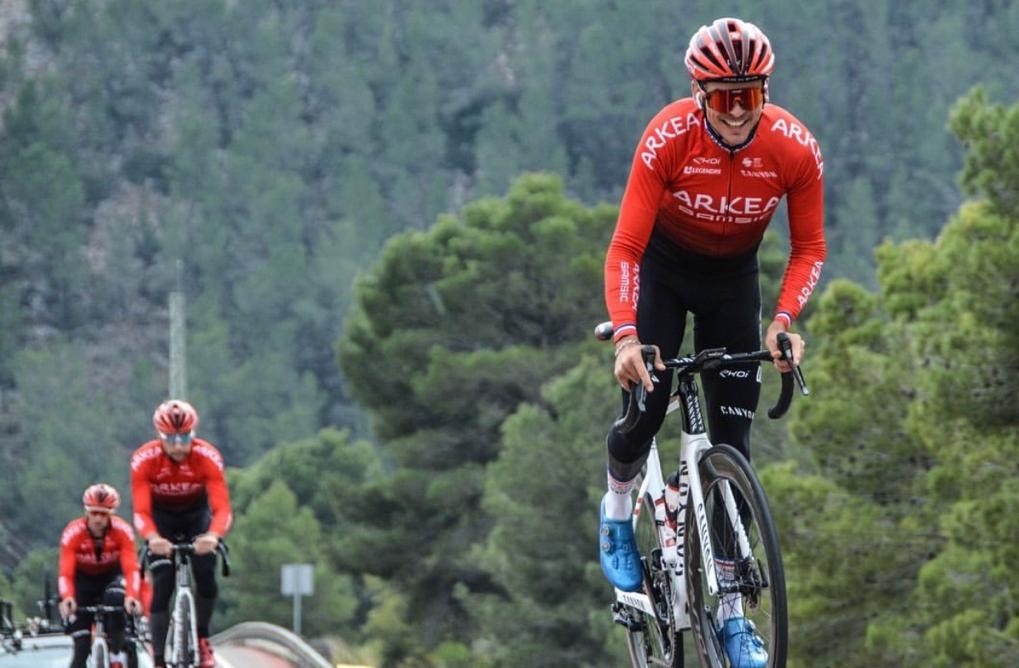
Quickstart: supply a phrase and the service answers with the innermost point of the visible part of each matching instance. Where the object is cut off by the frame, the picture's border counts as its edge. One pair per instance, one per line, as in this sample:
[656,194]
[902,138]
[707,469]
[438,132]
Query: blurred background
[388,222]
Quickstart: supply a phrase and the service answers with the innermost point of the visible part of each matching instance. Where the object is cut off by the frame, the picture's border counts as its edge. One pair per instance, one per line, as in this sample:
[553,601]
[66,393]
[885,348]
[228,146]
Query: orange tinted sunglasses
[724,100]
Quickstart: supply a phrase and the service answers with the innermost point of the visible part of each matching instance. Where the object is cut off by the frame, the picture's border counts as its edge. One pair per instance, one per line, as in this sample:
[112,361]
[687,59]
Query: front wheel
[652,640]
[100,655]
[180,651]
[752,583]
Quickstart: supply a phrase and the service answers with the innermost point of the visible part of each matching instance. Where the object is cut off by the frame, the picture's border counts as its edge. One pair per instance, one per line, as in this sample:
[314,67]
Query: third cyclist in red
[707,176]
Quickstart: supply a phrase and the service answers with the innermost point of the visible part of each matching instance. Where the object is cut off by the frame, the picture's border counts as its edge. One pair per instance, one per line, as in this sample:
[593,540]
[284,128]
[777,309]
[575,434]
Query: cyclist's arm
[141,498]
[637,213]
[68,564]
[124,536]
[806,239]
[219,496]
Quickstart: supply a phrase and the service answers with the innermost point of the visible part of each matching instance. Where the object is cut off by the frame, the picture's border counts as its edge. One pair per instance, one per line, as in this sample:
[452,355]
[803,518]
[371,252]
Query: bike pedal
[621,615]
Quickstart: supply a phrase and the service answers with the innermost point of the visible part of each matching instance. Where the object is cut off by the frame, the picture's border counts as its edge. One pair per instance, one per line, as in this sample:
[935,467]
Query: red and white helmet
[101,498]
[175,416]
[729,50]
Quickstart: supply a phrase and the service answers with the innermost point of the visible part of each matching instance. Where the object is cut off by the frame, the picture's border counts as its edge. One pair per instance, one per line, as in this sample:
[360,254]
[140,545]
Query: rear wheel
[754,582]
[652,640]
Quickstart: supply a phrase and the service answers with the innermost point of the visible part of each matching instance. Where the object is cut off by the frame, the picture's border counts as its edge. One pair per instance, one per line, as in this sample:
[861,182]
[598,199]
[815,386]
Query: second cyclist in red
[98,566]
[707,176]
[180,495]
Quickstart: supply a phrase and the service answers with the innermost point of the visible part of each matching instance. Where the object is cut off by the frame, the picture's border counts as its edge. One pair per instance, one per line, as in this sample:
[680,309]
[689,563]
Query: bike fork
[693,447]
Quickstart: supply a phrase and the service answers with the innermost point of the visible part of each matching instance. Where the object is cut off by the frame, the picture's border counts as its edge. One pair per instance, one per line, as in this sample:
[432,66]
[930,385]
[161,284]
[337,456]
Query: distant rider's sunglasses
[723,100]
[181,439]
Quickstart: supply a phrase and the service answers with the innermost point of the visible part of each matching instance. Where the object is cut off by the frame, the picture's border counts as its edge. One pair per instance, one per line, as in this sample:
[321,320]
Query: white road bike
[182,636]
[705,533]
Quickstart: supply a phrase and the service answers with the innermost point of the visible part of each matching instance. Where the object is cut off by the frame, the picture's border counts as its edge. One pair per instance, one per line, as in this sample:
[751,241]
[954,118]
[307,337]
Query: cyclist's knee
[624,471]
[162,587]
[114,595]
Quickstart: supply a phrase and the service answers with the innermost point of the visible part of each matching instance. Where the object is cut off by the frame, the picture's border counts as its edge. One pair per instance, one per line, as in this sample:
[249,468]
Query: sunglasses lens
[182,439]
[724,101]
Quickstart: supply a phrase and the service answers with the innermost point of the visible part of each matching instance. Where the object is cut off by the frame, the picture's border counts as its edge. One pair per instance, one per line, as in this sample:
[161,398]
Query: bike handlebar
[188,549]
[708,359]
[97,610]
[100,608]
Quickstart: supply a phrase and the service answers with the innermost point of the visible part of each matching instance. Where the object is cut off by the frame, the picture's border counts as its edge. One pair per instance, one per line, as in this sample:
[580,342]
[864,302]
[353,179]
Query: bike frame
[653,485]
[693,443]
[99,641]
[182,596]
[184,599]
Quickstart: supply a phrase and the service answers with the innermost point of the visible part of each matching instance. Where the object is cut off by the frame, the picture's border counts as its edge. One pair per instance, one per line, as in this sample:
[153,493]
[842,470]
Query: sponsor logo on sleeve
[143,456]
[658,137]
[211,454]
[808,289]
[802,136]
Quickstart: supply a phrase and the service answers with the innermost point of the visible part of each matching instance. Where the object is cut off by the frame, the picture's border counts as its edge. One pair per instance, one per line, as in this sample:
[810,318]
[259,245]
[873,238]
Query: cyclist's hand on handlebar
[67,607]
[160,546]
[132,605]
[206,543]
[771,343]
[630,368]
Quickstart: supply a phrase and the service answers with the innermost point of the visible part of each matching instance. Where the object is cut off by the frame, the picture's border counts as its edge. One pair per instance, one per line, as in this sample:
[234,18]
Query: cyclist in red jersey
[706,179]
[98,566]
[180,494]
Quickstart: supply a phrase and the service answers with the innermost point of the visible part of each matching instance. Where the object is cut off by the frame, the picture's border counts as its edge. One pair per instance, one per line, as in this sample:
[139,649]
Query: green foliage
[275,149]
[917,429]
[475,313]
[991,134]
[7,593]
[272,532]
[543,526]
[33,577]
[55,459]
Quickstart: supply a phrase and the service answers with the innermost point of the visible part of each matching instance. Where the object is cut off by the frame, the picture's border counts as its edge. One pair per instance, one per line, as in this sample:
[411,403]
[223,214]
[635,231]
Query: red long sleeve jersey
[717,202]
[158,481]
[81,552]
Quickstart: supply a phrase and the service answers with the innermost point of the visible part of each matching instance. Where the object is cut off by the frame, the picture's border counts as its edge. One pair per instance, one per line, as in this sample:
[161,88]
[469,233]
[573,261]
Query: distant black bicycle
[100,653]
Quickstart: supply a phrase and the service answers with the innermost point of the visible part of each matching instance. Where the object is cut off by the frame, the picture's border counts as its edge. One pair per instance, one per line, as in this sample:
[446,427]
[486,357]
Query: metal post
[178,351]
[297,580]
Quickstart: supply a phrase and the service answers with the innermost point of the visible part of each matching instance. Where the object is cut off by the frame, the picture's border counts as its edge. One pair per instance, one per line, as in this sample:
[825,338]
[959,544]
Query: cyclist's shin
[159,624]
[116,639]
[203,614]
[82,648]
